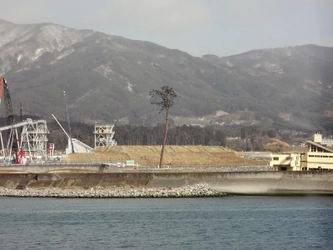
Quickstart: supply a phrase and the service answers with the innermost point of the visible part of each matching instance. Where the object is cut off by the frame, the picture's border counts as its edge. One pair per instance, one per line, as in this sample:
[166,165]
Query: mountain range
[108,78]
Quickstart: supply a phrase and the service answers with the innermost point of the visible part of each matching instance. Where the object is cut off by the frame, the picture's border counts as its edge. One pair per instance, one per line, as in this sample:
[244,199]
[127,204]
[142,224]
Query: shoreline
[197,190]
[165,183]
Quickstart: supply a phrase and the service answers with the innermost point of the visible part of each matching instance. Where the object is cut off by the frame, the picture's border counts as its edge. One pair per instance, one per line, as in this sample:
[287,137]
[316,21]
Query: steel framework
[29,135]
[104,135]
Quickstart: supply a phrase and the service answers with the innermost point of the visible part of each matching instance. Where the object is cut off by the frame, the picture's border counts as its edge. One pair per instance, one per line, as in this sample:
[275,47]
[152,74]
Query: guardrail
[44,164]
[71,164]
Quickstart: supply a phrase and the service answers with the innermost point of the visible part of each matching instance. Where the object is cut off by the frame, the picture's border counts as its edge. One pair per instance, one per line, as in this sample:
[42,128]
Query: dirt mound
[174,156]
[276,145]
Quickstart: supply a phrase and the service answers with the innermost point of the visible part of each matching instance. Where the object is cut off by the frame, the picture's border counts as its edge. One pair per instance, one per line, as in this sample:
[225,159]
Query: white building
[79,147]
[317,157]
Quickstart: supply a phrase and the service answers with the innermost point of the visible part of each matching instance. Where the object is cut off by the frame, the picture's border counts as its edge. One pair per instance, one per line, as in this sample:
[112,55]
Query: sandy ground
[183,156]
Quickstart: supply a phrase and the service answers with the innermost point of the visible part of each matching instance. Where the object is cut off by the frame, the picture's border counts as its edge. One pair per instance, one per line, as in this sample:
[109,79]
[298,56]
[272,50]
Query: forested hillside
[287,92]
[108,79]
[250,138]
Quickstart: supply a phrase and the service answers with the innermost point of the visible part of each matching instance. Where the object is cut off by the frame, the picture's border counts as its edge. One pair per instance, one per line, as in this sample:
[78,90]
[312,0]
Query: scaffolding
[104,135]
[29,135]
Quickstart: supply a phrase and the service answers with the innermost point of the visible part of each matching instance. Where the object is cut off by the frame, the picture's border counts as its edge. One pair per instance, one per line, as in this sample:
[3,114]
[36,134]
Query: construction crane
[4,94]
[20,139]
[12,145]
[69,124]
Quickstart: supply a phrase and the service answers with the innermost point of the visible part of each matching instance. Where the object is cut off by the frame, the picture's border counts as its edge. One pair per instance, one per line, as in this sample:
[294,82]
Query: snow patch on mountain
[104,70]
[230,64]
[270,67]
[24,44]
[65,53]
[130,87]
[19,58]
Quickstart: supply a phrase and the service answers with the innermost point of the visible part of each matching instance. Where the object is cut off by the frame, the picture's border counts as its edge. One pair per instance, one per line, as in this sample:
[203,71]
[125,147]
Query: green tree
[163,98]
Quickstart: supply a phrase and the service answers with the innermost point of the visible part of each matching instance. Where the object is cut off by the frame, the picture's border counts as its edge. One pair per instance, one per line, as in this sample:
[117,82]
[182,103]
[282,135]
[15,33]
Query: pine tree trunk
[165,135]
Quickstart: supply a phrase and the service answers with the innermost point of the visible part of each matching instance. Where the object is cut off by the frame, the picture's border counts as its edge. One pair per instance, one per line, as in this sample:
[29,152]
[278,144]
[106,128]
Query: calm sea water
[199,223]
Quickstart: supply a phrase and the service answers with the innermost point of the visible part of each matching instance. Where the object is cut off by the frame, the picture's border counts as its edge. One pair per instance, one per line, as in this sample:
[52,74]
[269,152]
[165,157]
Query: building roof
[325,149]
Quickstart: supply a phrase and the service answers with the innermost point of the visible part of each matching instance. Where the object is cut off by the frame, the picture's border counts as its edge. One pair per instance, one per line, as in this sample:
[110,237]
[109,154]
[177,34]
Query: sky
[198,27]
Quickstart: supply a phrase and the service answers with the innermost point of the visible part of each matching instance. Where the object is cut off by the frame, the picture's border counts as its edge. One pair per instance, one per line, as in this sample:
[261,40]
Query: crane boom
[55,118]
[69,124]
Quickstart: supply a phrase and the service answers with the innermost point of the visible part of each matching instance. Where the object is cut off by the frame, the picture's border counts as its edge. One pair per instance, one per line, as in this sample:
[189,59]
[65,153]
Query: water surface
[173,223]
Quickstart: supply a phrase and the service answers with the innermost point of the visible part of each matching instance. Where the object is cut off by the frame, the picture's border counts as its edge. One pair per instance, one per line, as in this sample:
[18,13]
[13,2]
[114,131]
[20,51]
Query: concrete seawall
[306,182]
[253,182]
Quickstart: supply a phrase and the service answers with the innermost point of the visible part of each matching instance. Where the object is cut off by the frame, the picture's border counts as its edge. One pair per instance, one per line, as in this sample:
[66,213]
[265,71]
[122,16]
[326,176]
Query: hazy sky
[220,27]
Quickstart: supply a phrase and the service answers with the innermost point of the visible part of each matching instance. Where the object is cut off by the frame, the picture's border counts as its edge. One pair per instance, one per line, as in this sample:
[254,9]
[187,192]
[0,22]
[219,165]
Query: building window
[275,158]
[313,148]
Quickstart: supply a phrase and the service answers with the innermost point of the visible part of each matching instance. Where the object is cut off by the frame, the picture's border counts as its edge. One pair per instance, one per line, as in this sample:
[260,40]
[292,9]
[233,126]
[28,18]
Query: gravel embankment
[210,169]
[238,169]
[198,190]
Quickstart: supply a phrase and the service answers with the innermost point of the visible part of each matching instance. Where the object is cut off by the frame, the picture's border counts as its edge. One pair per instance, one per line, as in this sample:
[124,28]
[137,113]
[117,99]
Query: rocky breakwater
[198,190]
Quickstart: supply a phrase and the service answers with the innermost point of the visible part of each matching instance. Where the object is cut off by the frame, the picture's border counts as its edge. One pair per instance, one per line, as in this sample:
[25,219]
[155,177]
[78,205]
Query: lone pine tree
[163,98]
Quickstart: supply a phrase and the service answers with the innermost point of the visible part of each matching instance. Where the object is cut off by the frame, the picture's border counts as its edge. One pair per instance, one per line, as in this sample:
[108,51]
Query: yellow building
[317,157]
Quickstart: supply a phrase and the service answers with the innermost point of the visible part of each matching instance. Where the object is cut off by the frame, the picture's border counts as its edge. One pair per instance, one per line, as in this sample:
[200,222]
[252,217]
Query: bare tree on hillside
[164,98]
